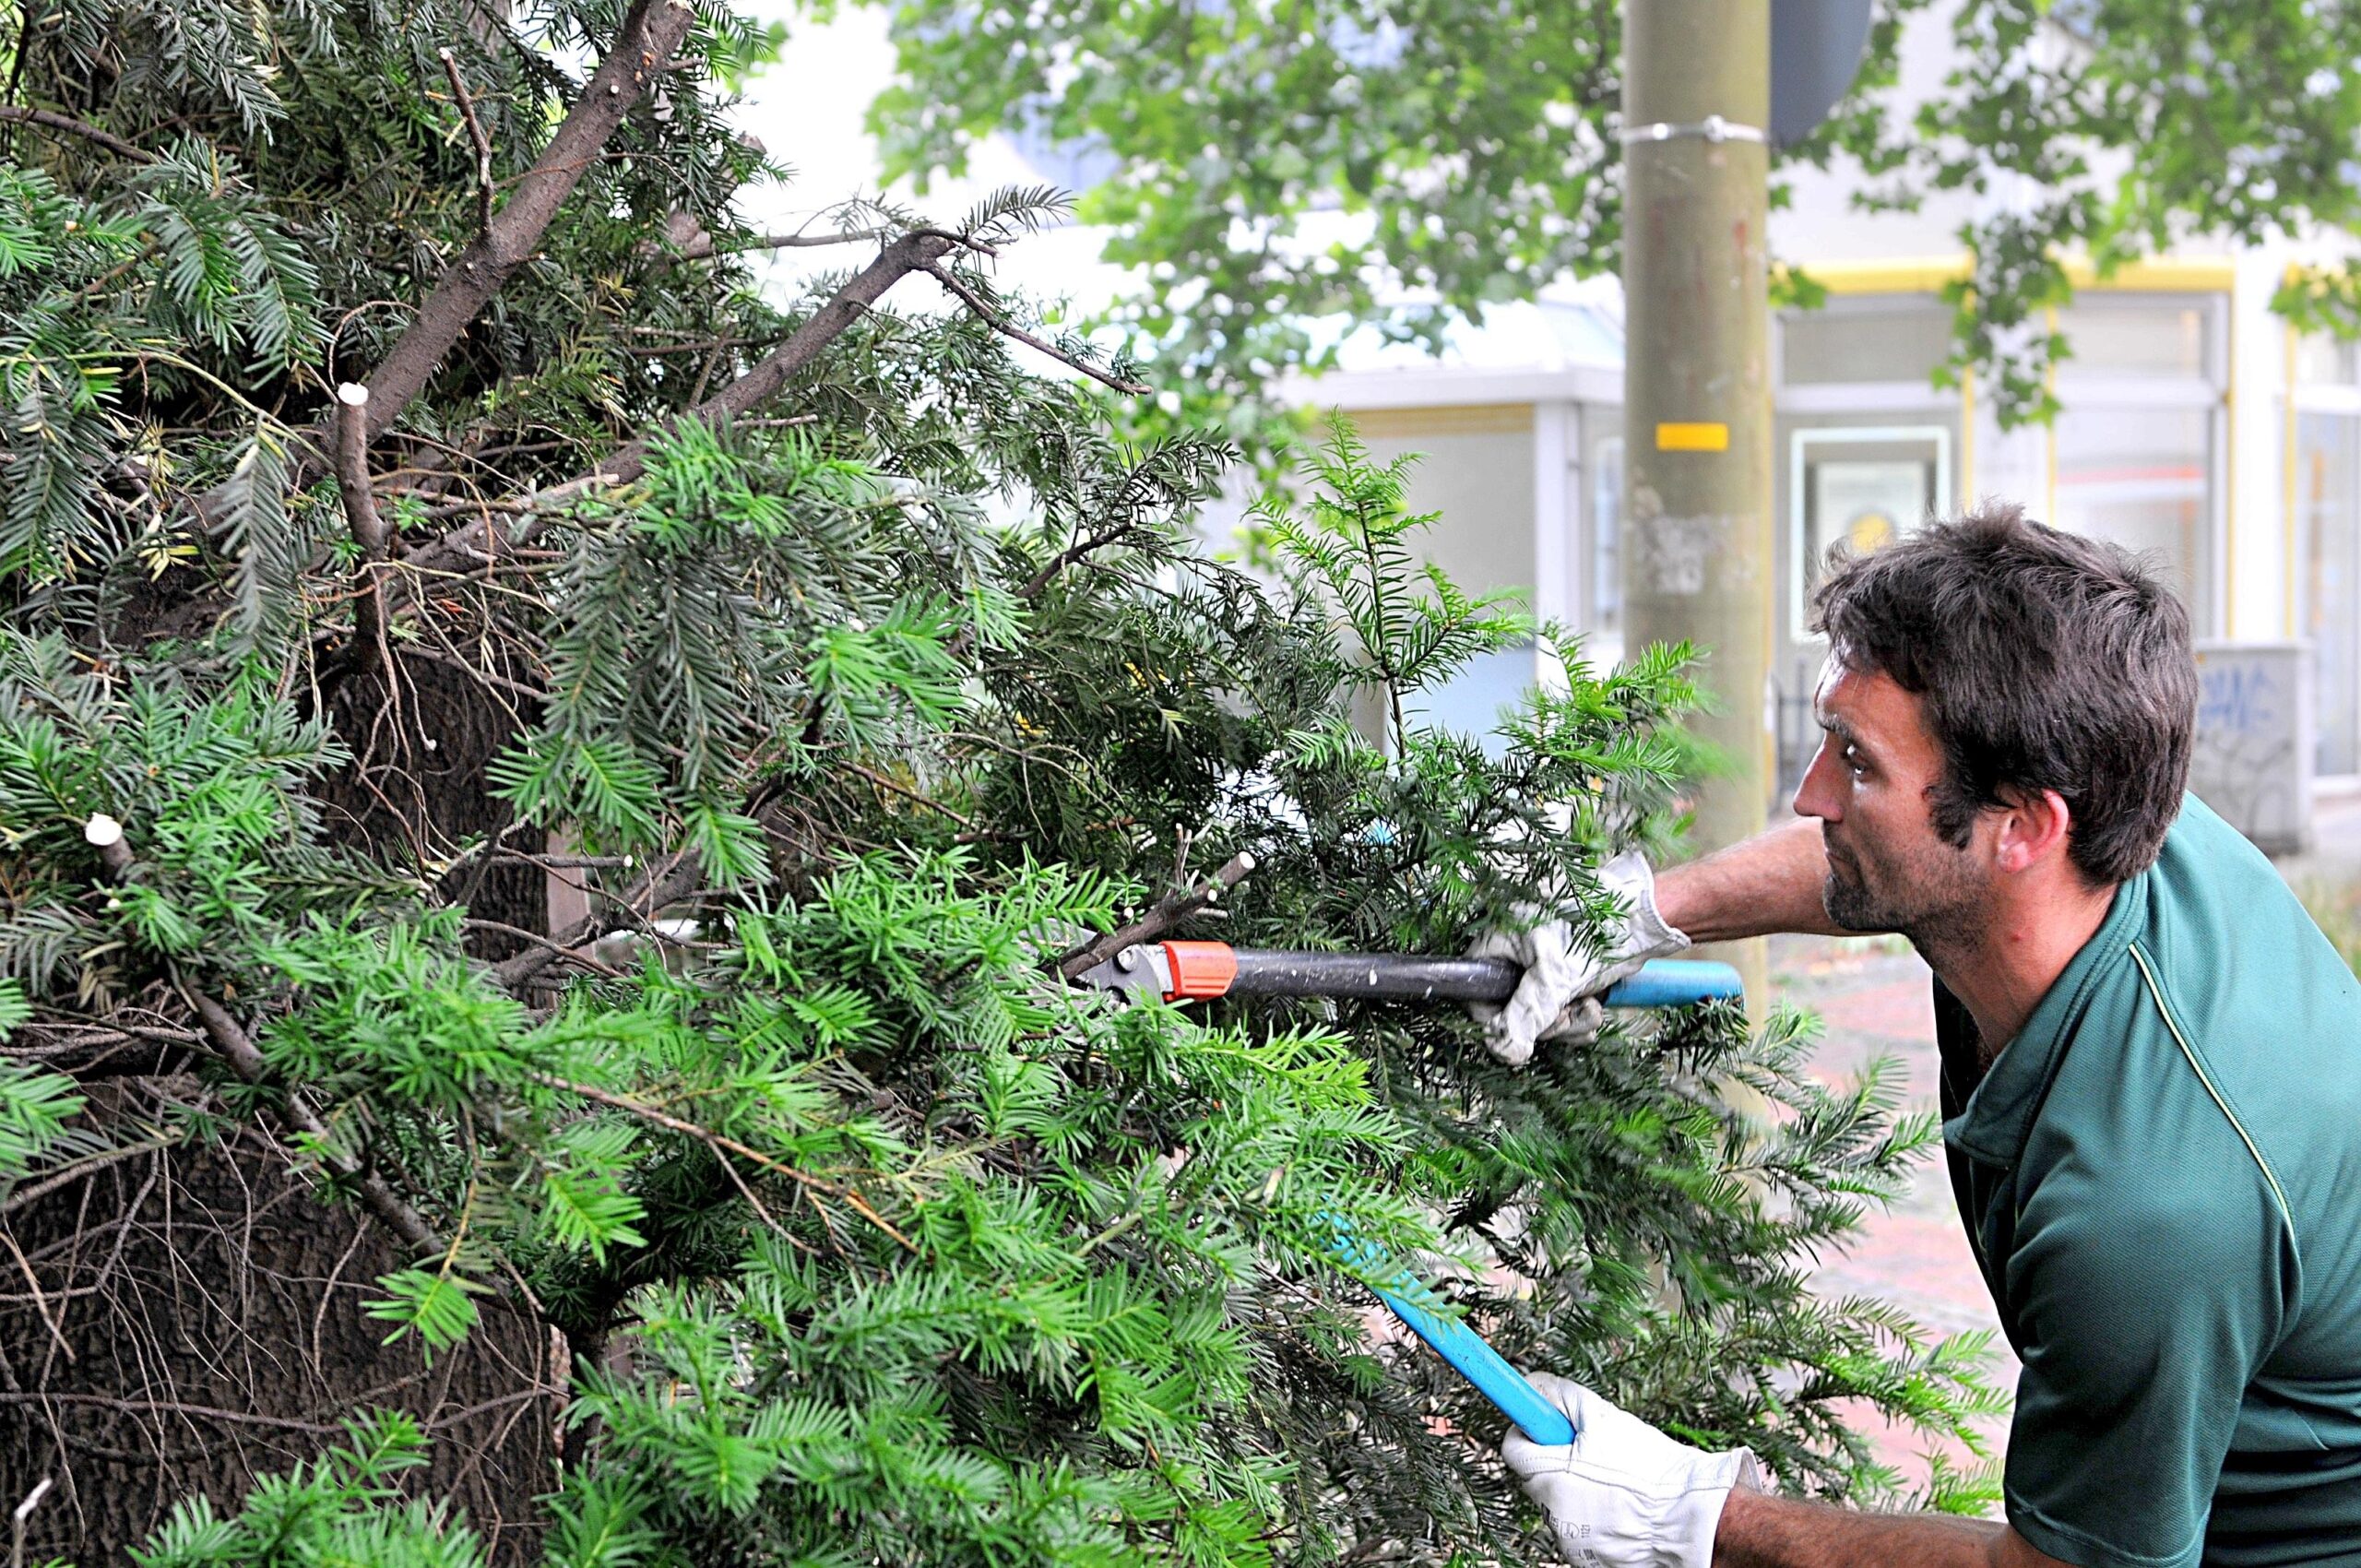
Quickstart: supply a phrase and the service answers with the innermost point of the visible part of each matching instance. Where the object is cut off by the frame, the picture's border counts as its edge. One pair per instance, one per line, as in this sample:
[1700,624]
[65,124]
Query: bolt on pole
[1696,379]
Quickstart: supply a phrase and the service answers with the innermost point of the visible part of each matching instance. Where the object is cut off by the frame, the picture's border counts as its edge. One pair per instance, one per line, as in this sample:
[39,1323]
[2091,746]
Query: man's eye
[1854,760]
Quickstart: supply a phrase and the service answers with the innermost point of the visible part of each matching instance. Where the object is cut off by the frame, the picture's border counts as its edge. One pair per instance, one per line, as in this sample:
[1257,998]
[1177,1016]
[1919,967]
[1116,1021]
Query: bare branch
[1162,915]
[910,253]
[10,113]
[476,135]
[651,31]
[368,527]
[704,246]
[1008,328]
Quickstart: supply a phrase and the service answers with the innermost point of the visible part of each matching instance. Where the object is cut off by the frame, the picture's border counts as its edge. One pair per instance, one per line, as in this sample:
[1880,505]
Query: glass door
[1857,487]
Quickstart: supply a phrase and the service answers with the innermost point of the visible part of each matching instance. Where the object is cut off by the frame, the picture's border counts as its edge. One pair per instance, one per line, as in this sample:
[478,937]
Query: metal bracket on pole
[1713,128]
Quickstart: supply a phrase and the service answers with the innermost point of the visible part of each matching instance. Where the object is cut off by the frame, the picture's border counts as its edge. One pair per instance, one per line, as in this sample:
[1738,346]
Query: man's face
[1871,786]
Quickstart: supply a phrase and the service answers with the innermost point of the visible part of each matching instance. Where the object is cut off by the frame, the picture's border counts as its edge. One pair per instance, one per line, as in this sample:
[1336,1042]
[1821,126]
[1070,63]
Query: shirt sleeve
[2142,1317]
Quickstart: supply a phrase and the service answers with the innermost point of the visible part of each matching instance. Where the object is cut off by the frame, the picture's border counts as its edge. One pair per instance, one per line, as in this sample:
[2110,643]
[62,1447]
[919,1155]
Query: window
[2141,477]
[1859,487]
[1847,340]
[2138,336]
[2328,610]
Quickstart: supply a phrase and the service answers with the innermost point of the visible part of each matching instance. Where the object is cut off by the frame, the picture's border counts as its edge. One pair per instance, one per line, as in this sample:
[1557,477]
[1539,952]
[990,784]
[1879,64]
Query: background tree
[1277,169]
[547,806]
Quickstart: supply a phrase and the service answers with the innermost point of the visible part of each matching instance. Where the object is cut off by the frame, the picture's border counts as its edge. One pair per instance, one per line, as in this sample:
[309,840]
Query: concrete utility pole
[1696,379]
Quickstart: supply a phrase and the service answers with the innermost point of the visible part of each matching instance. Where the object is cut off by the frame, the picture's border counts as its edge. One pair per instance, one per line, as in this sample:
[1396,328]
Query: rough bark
[651,33]
[212,1307]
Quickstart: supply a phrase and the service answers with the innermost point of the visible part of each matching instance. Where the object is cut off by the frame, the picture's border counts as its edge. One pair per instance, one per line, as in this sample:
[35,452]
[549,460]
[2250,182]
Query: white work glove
[1558,997]
[1622,1494]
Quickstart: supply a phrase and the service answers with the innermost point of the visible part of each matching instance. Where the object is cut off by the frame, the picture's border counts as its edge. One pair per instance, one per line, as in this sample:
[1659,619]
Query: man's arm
[1760,1531]
[1771,883]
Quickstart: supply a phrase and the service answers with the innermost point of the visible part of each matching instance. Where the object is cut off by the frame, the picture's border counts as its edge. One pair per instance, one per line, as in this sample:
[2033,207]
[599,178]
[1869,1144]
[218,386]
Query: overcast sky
[809,110]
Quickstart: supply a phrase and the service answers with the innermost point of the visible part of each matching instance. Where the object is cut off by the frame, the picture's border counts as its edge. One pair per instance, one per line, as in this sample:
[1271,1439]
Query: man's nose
[1816,794]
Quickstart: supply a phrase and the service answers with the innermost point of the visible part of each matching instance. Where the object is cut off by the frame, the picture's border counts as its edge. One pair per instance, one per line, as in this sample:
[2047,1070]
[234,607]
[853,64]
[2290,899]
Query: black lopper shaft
[1271,972]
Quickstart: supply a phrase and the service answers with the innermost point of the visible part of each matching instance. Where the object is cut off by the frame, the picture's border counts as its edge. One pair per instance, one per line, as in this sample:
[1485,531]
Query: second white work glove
[1622,1494]
[1557,998]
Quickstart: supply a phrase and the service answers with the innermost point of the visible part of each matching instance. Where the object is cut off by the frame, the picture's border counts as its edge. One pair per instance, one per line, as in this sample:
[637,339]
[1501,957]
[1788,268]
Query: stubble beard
[1931,898]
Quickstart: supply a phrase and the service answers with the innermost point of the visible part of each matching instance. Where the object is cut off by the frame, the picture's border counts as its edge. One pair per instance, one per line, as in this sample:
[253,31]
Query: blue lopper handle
[1664,982]
[1676,982]
[1464,1348]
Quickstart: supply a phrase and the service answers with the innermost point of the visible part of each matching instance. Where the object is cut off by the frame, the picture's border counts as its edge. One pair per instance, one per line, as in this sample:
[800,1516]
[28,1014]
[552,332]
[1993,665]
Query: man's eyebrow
[1840,728]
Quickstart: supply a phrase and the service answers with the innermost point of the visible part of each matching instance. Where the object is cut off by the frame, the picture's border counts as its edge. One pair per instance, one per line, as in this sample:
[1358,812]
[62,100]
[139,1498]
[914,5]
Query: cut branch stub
[651,33]
[1162,915]
[911,253]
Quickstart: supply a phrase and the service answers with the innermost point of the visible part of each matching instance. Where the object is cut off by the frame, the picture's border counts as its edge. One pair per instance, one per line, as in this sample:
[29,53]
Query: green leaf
[438,1307]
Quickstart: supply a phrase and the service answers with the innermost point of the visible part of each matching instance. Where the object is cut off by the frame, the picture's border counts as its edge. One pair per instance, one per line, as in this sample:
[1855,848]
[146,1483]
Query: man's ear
[2035,825]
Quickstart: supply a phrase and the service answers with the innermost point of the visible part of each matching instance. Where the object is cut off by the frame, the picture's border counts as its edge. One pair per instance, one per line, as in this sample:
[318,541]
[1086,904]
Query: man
[2151,1081]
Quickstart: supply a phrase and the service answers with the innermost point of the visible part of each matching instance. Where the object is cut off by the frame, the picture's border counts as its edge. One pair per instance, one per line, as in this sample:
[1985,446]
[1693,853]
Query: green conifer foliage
[875,683]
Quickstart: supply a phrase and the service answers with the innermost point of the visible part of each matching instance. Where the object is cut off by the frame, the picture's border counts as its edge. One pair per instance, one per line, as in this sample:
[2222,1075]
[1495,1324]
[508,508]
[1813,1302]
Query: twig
[908,794]
[964,242]
[166,1407]
[1008,328]
[476,135]
[538,940]
[76,1171]
[657,350]
[719,1143]
[1162,915]
[704,245]
[72,127]
[41,1302]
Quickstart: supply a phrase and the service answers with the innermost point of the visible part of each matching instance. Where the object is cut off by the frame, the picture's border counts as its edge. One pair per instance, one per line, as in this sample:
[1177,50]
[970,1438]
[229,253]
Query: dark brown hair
[2047,661]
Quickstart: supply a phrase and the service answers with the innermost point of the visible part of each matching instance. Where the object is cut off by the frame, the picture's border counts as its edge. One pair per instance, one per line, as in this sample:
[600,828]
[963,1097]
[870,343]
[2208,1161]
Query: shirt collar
[1991,1127]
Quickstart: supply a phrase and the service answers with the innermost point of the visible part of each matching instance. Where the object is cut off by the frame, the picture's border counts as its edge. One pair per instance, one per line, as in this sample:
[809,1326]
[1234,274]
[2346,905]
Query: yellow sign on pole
[1694,436]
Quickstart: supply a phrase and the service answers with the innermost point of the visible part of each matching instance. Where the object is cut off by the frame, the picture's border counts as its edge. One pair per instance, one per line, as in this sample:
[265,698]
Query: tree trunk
[213,1309]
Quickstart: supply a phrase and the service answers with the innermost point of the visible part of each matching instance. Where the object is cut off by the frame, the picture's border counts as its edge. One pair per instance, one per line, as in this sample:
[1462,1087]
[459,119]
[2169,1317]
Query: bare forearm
[1760,1531]
[1771,883]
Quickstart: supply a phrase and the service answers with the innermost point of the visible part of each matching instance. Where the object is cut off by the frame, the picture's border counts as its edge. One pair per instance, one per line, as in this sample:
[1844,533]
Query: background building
[2195,426]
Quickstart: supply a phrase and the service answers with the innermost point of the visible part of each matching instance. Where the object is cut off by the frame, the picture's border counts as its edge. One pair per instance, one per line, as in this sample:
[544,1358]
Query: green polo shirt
[2161,1176]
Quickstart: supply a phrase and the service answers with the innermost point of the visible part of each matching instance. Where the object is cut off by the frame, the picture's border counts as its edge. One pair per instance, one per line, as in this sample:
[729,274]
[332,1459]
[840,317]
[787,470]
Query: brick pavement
[1874,1000]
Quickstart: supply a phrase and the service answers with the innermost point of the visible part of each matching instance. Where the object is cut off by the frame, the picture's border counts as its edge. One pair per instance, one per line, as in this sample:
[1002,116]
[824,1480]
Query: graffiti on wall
[2253,754]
